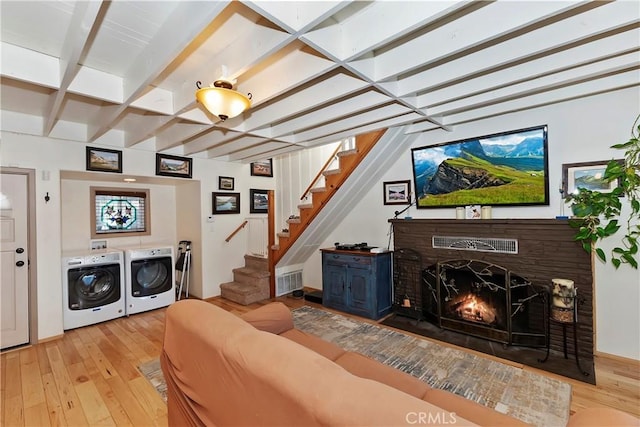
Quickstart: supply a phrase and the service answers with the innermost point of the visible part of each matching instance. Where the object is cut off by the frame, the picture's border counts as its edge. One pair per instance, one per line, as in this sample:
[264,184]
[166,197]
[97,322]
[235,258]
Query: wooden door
[14,271]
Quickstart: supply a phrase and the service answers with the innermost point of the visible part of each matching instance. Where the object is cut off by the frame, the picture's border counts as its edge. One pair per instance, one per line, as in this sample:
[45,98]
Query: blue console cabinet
[357,282]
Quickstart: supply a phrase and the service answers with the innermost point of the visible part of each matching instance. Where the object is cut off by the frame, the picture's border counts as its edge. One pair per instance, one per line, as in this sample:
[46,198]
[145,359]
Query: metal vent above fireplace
[478,244]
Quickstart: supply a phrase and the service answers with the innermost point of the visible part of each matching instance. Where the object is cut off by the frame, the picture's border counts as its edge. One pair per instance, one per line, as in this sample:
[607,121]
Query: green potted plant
[597,214]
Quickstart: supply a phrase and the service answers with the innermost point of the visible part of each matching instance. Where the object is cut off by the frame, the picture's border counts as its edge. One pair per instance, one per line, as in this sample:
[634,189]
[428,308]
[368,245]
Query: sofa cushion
[274,317]
[596,417]
[365,367]
[468,409]
[320,346]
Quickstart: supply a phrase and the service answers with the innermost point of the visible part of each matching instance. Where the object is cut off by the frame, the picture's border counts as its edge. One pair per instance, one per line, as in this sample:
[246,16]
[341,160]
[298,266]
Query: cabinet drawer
[351,260]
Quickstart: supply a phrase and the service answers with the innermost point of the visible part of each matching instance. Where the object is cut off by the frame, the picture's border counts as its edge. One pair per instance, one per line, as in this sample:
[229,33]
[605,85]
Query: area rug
[153,373]
[530,397]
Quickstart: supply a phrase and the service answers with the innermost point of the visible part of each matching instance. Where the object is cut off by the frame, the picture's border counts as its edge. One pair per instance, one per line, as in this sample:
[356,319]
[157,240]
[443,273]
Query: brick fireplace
[539,250]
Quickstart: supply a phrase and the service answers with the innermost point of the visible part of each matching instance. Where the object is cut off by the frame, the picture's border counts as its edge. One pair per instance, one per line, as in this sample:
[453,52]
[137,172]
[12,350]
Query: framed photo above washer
[176,166]
[104,160]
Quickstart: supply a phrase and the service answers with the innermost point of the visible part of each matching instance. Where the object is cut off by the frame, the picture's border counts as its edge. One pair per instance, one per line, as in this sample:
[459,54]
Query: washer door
[151,276]
[94,286]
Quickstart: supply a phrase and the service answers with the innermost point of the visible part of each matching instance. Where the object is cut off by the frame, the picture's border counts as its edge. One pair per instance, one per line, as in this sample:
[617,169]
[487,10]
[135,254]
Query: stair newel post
[271,220]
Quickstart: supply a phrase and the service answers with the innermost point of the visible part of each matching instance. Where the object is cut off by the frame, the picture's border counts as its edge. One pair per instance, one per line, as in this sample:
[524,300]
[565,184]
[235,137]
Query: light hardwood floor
[90,376]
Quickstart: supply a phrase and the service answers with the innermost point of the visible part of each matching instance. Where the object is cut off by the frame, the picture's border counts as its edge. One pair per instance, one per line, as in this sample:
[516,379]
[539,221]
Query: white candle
[485,212]
[563,293]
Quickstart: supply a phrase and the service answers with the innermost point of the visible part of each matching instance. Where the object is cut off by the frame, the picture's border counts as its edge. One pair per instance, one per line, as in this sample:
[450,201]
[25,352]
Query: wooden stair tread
[348,152]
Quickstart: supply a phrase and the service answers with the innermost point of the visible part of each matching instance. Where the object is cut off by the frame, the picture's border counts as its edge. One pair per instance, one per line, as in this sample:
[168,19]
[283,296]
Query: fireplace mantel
[545,251]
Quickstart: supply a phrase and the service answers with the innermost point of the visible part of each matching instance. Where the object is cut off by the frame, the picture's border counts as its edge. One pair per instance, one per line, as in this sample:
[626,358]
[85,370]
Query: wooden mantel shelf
[533,221]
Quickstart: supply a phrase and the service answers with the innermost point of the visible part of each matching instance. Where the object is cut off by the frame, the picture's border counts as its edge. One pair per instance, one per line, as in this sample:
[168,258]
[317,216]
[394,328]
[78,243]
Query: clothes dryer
[150,278]
[92,287]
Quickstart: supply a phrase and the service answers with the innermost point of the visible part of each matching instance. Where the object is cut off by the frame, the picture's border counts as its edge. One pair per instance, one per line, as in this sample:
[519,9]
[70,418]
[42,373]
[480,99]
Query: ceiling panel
[123,73]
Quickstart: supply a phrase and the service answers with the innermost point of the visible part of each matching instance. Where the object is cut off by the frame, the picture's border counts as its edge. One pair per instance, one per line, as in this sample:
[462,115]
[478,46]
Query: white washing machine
[150,278]
[92,287]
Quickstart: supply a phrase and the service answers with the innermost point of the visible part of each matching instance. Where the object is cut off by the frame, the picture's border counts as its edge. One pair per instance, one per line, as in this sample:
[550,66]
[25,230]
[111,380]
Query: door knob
[20,263]
[19,250]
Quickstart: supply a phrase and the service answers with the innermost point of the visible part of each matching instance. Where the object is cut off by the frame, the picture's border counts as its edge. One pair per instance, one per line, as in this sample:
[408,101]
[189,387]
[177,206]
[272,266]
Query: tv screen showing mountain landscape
[509,168]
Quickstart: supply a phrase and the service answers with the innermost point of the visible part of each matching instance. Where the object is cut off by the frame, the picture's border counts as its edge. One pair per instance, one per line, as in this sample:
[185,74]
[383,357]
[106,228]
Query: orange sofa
[258,369]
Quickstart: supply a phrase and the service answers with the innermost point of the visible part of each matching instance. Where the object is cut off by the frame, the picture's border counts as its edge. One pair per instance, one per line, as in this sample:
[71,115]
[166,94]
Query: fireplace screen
[485,300]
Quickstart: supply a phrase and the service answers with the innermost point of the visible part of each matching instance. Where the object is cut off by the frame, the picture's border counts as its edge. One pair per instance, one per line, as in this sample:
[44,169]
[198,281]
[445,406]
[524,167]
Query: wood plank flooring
[89,376]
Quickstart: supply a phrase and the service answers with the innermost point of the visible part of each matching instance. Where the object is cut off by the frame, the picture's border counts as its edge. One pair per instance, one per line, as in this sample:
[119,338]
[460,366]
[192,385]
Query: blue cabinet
[357,282]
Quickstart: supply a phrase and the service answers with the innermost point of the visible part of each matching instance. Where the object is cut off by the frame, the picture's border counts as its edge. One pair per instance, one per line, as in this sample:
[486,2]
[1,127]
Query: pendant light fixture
[221,100]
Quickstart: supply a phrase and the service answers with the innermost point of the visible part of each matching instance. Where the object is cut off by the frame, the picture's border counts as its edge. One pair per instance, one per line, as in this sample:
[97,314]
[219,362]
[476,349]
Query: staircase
[348,160]
[373,154]
[250,283]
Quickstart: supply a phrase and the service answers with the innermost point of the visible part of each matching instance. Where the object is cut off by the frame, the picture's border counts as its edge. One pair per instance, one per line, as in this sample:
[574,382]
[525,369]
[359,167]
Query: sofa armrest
[274,317]
[596,417]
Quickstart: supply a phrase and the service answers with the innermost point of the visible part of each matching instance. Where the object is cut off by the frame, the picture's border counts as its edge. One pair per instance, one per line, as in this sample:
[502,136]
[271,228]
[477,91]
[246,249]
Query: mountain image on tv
[502,169]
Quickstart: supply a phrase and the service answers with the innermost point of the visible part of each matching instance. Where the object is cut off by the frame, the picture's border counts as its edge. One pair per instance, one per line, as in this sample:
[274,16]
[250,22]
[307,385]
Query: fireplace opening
[473,308]
[485,300]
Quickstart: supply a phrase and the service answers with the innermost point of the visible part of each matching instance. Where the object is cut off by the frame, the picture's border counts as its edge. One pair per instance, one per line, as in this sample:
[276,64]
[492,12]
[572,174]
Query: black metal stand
[574,323]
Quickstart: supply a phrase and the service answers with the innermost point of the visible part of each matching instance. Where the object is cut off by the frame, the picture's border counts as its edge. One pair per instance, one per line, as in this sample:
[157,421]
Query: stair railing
[236,231]
[257,238]
[345,144]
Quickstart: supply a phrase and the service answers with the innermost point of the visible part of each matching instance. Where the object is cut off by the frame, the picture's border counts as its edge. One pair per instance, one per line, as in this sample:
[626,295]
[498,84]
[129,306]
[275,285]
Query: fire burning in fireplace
[474,309]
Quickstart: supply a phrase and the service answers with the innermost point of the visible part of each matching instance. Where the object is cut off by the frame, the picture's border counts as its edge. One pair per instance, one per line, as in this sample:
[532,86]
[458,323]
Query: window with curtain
[119,212]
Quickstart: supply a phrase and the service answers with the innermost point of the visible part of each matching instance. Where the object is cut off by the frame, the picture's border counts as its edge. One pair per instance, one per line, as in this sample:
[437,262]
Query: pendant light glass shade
[221,100]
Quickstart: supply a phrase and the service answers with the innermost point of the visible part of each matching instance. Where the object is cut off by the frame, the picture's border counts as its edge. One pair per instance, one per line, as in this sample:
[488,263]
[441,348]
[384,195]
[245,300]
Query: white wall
[76,211]
[579,131]
[216,257]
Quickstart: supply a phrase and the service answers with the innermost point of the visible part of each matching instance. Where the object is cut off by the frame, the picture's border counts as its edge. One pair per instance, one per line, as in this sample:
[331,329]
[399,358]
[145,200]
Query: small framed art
[262,168]
[226,183]
[175,166]
[259,201]
[226,203]
[103,160]
[397,192]
[588,175]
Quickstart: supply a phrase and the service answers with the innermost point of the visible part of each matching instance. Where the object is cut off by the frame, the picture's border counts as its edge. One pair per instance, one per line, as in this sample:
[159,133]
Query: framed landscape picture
[262,168]
[175,166]
[104,160]
[588,175]
[226,183]
[397,192]
[259,201]
[226,203]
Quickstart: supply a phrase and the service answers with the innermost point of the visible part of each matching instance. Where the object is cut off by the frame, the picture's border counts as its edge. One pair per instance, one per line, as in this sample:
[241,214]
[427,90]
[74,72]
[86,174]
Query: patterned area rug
[530,397]
[153,373]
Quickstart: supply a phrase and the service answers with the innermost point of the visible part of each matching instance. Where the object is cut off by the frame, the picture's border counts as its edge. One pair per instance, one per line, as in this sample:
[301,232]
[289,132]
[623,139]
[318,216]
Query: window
[119,212]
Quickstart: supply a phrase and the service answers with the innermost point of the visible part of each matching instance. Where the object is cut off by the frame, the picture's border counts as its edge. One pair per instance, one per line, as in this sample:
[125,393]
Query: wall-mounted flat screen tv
[507,168]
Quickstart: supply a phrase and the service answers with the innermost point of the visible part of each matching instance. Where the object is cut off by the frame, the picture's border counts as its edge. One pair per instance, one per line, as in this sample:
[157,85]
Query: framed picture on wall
[397,192]
[588,175]
[226,183]
[103,160]
[226,203]
[259,201]
[179,167]
[262,168]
